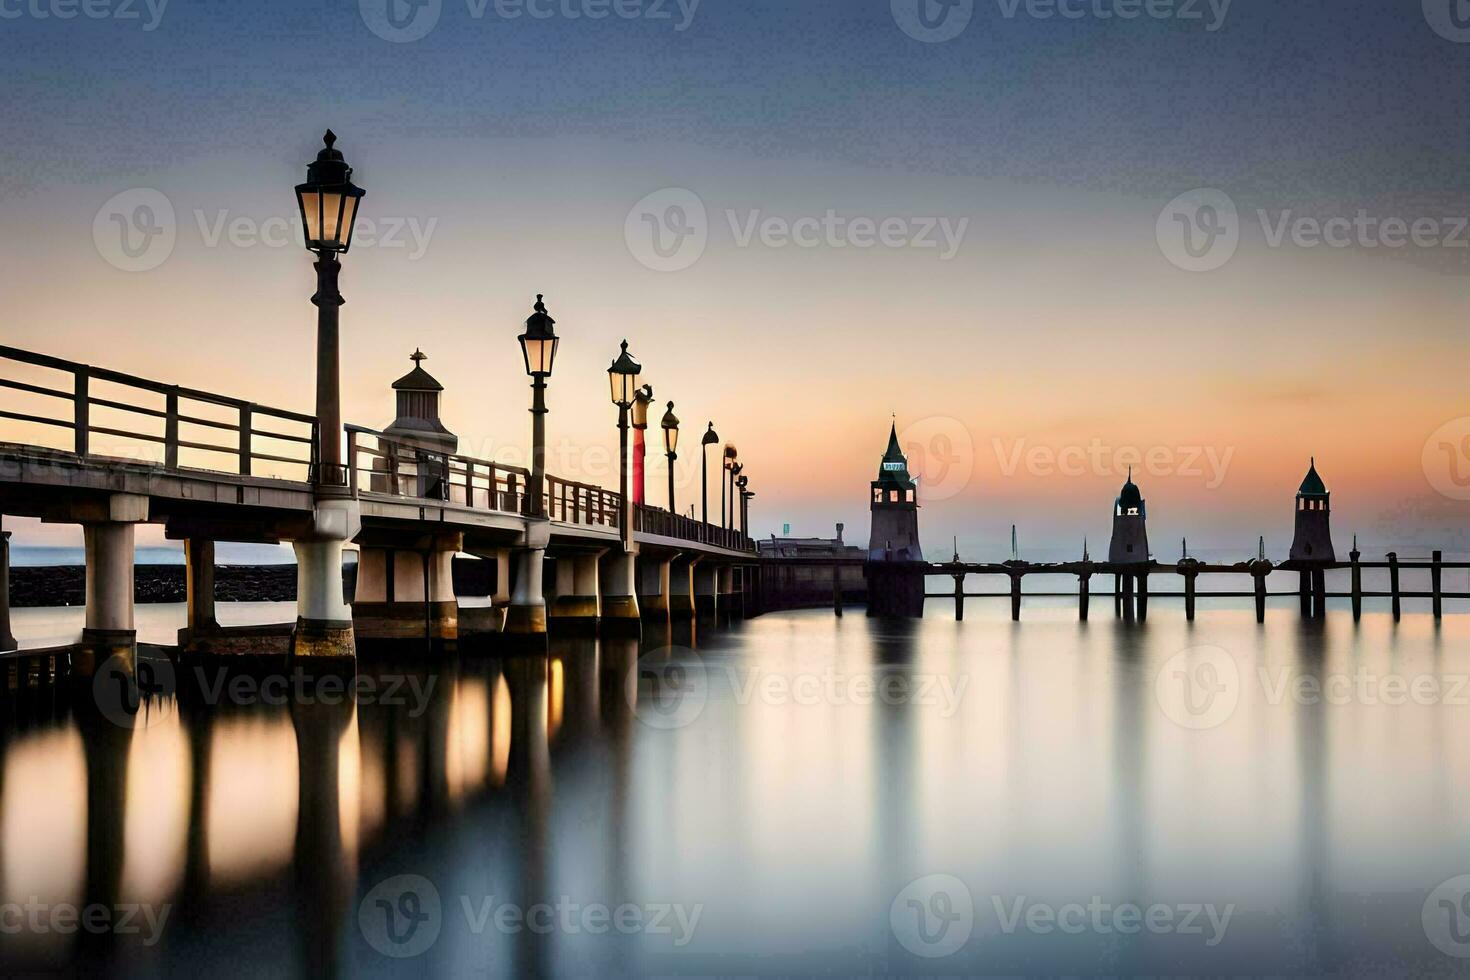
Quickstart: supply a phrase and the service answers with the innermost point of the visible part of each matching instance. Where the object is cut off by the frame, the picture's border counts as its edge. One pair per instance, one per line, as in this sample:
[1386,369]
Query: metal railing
[174,414]
[656,520]
[377,463]
[582,503]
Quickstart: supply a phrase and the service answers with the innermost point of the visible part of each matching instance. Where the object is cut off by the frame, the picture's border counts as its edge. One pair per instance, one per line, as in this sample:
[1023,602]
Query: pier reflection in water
[749,780]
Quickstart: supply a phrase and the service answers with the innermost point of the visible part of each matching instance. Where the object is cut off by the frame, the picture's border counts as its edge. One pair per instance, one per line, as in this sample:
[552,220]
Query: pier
[229,469]
[1133,583]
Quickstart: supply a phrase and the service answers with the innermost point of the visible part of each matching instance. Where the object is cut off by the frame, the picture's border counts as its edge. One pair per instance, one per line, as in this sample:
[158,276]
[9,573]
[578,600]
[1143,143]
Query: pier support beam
[1143,598]
[706,590]
[1259,573]
[1436,584]
[1304,592]
[1189,587]
[7,638]
[323,617]
[620,592]
[1393,585]
[1084,596]
[729,603]
[405,589]
[200,618]
[109,546]
[1015,598]
[959,594]
[577,594]
[1357,557]
[1319,593]
[526,614]
[655,586]
[682,596]
[199,583]
[1128,607]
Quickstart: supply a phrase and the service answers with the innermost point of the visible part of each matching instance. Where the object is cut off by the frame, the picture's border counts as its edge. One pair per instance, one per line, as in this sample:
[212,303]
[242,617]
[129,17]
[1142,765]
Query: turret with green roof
[1313,539]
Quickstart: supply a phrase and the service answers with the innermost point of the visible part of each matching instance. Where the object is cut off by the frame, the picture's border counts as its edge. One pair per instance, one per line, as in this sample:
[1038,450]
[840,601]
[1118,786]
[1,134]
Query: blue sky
[1262,102]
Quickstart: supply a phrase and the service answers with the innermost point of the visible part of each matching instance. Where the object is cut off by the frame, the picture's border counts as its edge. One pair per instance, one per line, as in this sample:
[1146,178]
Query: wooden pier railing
[90,402]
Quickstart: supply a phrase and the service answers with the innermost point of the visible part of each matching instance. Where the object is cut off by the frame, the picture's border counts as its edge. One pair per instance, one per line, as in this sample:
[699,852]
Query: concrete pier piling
[1393,586]
[1436,584]
[323,617]
[7,638]
[1357,582]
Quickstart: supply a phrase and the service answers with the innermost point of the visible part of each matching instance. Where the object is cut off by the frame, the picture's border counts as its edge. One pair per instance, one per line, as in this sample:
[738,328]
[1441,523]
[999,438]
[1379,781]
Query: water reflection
[1049,768]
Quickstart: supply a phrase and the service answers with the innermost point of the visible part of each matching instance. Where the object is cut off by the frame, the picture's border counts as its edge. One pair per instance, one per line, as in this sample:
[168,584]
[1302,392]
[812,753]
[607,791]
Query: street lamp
[735,469]
[641,400]
[711,438]
[538,347]
[671,442]
[745,496]
[622,379]
[328,202]
[729,464]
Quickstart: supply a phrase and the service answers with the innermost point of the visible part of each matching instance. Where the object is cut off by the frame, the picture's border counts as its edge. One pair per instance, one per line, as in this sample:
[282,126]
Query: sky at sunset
[805,220]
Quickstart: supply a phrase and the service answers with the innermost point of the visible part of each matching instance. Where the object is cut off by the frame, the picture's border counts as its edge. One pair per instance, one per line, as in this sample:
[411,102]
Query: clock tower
[895,508]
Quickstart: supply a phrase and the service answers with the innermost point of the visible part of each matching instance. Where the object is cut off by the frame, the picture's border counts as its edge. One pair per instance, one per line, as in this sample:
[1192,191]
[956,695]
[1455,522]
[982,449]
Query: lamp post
[711,438]
[729,464]
[671,442]
[642,398]
[538,347]
[735,469]
[328,202]
[740,485]
[622,377]
[620,601]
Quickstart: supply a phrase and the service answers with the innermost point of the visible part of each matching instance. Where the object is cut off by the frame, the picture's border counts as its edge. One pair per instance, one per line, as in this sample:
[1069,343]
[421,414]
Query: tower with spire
[1130,526]
[895,508]
[1313,540]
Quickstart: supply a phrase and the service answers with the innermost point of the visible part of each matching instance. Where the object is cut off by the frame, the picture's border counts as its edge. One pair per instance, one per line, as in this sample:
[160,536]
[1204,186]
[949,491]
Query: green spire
[1312,485]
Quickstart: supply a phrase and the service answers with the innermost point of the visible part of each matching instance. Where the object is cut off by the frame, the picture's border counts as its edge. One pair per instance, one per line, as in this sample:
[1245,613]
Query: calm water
[796,794]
